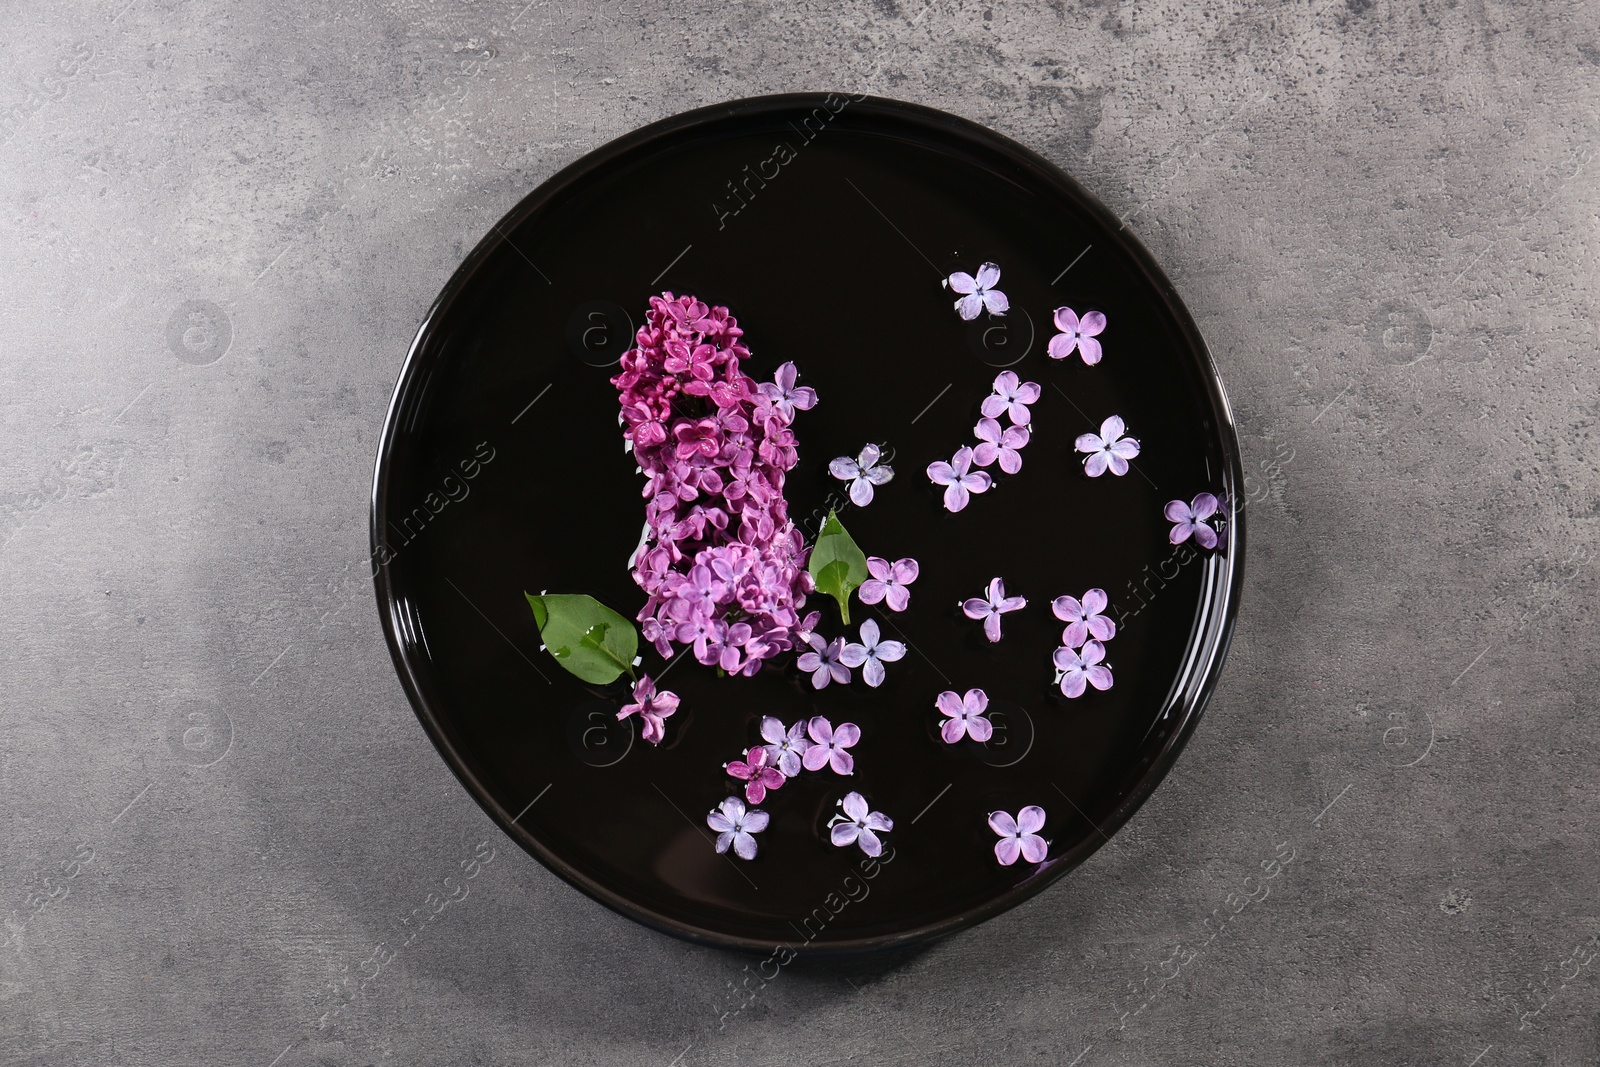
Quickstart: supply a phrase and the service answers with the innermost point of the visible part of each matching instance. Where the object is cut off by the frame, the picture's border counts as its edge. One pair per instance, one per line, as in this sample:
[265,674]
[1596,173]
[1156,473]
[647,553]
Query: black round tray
[501,470]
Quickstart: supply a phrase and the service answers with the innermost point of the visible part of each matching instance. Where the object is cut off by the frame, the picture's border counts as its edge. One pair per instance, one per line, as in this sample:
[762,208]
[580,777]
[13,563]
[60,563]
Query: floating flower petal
[964,716]
[735,825]
[823,662]
[1191,520]
[829,745]
[1011,397]
[888,582]
[978,294]
[1108,449]
[1084,618]
[871,654]
[989,608]
[1019,837]
[1077,335]
[1003,445]
[859,825]
[957,480]
[1082,667]
[757,771]
[862,473]
[651,707]
[784,747]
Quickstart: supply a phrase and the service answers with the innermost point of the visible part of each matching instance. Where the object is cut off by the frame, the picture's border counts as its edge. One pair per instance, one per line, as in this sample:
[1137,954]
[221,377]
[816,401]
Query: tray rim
[1215,620]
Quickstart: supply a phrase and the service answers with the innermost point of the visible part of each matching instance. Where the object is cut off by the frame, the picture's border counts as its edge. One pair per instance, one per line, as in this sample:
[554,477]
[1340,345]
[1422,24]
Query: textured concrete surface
[219,226]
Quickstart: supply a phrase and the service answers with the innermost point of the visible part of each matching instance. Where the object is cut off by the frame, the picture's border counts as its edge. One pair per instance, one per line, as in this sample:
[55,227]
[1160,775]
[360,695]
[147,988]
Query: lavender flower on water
[997,444]
[958,478]
[859,825]
[1077,335]
[871,654]
[829,744]
[1084,618]
[1011,397]
[1080,668]
[823,662]
[1108,449]
[651,707]
[989,608]
[888,582]
[1191,520]
[735,825]
[964,716]
[862,473]
[1019,837]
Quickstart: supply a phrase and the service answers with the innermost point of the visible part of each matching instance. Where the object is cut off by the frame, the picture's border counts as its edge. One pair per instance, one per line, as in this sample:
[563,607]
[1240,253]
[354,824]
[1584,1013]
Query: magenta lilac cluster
[722,565]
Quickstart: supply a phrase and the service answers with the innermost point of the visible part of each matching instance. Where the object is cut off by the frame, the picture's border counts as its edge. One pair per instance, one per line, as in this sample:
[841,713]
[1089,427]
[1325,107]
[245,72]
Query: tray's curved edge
[1188,702]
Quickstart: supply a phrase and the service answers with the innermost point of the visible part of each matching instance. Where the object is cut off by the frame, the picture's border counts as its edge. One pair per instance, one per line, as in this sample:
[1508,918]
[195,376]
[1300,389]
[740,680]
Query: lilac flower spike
[784,747]
[964,716]
[1107,449]
[1077,334]
[1005,445]
[1080,666]
[785,396]
[888,582]
[829,744]
[859,825]
[1011,397]
[1190,519]
[990,608]
[871,654]
[822,662]
[862,473]
[957,482]
[735,826]
[1019,836]
[978,293]
[651,707]
[1083,618]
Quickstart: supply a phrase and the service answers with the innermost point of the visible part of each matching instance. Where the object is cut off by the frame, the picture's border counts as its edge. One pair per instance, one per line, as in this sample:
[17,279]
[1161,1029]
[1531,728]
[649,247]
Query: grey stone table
[219,226]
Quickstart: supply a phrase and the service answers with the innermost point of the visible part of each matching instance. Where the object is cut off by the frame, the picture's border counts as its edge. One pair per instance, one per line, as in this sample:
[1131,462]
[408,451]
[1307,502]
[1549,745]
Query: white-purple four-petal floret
[991,606]
[736,826]
[1011,398]
[785,395]
[859,825]
[824,662]
[871,653]
[888,582]
[958,478]
[1194,520]
[1019,837]
[964,716]
[863,473]
[829,745]
[1107,450]
[1077,335]
[978,294]
[785,747]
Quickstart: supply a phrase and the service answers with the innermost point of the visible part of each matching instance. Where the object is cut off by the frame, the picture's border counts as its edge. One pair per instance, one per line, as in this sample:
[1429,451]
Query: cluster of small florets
[722,565]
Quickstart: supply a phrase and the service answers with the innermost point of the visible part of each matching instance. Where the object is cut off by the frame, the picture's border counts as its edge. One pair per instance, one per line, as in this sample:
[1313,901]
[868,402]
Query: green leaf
[585,636]
[837,564]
